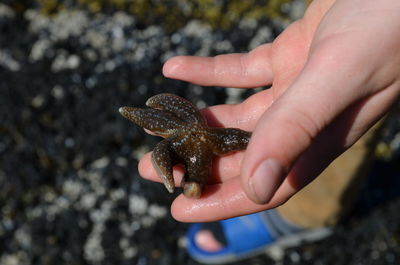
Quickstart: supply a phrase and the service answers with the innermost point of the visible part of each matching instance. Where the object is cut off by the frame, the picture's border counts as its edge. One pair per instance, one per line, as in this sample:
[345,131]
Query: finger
[223,168]
[245,70]
[242,116]
[147,171]
[222,201]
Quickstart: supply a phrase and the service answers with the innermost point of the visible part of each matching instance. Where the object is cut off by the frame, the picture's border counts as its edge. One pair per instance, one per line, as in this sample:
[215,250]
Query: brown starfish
[189,141]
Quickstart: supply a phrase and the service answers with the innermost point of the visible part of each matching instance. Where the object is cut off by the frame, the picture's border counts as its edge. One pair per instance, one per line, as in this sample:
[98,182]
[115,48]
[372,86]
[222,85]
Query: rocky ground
[70,192]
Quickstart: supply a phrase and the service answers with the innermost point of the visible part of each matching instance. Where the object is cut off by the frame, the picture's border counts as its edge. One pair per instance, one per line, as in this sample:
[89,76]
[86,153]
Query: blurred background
[70,192]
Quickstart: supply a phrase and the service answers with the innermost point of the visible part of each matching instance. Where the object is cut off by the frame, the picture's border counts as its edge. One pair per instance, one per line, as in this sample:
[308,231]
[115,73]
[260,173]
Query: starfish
[188,140]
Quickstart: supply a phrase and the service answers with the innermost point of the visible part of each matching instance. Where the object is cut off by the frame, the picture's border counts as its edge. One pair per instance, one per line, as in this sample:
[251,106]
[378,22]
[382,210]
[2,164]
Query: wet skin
[188,140]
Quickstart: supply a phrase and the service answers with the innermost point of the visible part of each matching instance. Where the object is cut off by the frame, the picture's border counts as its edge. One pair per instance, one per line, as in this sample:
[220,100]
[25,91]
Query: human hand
[334,73]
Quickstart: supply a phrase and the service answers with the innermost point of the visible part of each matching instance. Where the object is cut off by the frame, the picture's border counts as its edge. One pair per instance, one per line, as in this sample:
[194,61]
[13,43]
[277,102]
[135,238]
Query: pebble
[263,35]
[138,205]
[88,201]
[38,101]
[63,61]
[39,50]
[8,62]
[234,95]
[117,194]
[72,189]
[101,163]
[140,151]
[6,12]
[57,92]
[157,211]
[121,161]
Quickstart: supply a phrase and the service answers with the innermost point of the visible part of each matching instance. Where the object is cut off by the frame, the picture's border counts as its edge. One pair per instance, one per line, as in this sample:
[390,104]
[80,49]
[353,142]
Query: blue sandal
[249,235]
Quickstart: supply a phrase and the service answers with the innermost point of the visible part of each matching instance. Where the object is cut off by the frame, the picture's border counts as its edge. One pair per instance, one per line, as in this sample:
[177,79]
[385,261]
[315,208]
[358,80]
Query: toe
[206,241]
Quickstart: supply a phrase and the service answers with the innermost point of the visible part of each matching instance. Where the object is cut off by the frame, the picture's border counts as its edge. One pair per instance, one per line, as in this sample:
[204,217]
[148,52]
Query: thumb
[291,124]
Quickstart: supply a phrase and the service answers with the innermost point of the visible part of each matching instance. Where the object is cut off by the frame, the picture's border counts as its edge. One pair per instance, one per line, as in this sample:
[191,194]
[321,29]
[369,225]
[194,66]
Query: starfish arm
[225,140]
[181,107]
[163,159]
[197,159]
[198,162]
[159,122]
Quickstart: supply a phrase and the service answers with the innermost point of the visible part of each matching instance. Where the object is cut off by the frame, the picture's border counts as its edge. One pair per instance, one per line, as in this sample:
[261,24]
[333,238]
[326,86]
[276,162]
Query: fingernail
[264,180]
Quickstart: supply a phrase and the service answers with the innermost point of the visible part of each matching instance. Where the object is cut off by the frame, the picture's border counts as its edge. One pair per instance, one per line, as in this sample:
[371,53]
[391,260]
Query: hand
[334,73]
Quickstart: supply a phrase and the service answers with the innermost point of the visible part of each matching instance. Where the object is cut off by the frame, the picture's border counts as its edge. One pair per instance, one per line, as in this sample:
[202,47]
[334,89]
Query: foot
[242,237]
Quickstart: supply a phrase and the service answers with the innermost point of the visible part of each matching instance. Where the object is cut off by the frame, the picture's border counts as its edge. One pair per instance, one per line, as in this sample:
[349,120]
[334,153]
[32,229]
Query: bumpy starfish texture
[188,140]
